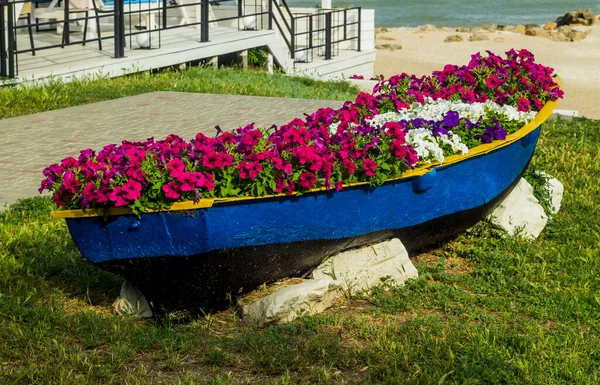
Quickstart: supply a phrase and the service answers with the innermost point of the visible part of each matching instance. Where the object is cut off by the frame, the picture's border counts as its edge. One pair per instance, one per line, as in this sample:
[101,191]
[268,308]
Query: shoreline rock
[571,27]
[453,39]
[578,17]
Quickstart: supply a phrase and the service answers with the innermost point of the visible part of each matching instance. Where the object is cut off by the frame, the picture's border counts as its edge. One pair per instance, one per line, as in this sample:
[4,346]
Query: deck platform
[178,46]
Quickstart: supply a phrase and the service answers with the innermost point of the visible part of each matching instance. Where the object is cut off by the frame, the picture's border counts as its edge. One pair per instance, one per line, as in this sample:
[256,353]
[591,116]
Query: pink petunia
[307,180]
[70,183]
[132,190]
[209,184]
[350,166]
[118,196]
[171,190]
[249,170]
[492,82]
[188,181]
[211,160]
[89,191]
[397,148]
[199,179]
[369,166]
[225,160]
[523,104]
[176,168]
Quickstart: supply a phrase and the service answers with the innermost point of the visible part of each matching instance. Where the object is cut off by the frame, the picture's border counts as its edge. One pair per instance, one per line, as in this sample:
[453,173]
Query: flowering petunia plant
[405,122]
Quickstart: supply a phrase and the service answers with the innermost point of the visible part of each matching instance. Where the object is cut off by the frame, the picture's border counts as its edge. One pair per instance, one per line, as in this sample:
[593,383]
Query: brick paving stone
[30,143]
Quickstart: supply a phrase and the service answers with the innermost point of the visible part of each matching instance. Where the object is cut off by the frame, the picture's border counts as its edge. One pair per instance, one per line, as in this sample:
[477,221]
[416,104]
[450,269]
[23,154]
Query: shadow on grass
[35,245]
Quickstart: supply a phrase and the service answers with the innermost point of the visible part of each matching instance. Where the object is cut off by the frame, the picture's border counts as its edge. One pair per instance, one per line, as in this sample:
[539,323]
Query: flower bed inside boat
[406,122]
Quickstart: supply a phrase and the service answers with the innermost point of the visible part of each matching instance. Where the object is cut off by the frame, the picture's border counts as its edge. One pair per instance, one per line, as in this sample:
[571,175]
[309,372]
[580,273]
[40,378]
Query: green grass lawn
[485,310]
[17,101]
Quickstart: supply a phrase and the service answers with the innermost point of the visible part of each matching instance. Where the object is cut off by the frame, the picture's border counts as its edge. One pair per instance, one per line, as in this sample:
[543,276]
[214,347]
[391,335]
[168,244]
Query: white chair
[56,12]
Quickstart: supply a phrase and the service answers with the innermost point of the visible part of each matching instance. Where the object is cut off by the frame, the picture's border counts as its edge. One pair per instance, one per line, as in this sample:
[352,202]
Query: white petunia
[436,110]
[429,147]
[453,140]
[425,144]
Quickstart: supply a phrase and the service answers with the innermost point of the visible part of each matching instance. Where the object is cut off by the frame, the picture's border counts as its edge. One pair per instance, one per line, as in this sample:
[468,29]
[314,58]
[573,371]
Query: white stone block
[309,297]
[132,301]
[363,268]
[520,213]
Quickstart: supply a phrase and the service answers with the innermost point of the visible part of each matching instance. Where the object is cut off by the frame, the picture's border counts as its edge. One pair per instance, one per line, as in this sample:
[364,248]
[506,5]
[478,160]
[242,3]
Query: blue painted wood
[424,182]
[310,217]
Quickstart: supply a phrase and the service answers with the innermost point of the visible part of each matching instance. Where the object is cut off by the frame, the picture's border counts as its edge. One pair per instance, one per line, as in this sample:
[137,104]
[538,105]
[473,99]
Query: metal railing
[322,31]
[142,23]
[325,31]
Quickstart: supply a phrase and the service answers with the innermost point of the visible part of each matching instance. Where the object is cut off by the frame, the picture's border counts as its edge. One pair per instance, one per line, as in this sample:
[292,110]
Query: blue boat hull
[201,259]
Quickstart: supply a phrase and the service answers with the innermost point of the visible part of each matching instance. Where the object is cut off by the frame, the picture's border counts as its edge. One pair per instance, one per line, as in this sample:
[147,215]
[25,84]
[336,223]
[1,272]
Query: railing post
[328,36]
[119,23]
[204,21]
[164,13]
[11,39]
[66,23]
[3,56]
[310,32]
[293,36]
[240,8]
[345,23]
[271,14]
[359,28]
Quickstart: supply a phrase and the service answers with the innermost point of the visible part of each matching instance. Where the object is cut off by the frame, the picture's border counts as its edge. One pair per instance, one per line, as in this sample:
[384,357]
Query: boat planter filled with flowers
[192,223]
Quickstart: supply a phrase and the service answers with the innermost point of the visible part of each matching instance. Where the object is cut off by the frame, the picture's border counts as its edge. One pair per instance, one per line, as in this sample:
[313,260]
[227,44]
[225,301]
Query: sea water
[461,13]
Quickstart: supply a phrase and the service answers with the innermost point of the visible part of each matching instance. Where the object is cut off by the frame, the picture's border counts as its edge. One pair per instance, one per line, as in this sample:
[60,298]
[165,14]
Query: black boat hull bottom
[211,282]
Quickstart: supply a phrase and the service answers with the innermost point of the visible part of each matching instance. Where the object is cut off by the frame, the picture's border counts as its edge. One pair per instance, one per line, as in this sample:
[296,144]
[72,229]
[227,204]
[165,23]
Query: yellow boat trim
[540,118]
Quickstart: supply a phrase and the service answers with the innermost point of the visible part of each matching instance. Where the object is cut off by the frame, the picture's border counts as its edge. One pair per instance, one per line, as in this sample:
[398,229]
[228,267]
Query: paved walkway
[30,143]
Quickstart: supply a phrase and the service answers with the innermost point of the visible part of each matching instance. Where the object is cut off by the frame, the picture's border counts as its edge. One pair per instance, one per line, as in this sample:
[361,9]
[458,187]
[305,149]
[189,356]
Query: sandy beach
[577,63]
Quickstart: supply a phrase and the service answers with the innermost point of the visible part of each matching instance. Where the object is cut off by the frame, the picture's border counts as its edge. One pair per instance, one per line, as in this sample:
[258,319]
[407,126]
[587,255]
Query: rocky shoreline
[573,26]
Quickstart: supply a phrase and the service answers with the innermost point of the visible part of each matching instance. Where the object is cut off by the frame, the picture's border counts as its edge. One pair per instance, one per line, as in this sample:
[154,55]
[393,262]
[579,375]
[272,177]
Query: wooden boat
[197,256]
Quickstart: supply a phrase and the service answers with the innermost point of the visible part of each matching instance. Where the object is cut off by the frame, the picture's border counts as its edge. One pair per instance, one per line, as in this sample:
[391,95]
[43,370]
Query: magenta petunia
[188,181]
[176,168]
[307,180]
[199,179]
[398,149]
[171,190]
[350,166]
[225,160]
[118,196]
[132,190]
[492,82]
[249,170]
[523,104]
[90,191]
[369,166]
[209,183]
[211,160]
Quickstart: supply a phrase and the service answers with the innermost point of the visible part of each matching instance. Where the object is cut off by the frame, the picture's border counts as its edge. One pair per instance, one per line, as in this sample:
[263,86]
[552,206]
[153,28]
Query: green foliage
[257,56]
[485,310]
[539,181]
[55,94]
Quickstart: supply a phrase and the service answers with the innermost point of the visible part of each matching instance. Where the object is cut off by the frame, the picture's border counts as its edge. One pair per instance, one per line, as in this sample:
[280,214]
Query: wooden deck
[177,46]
